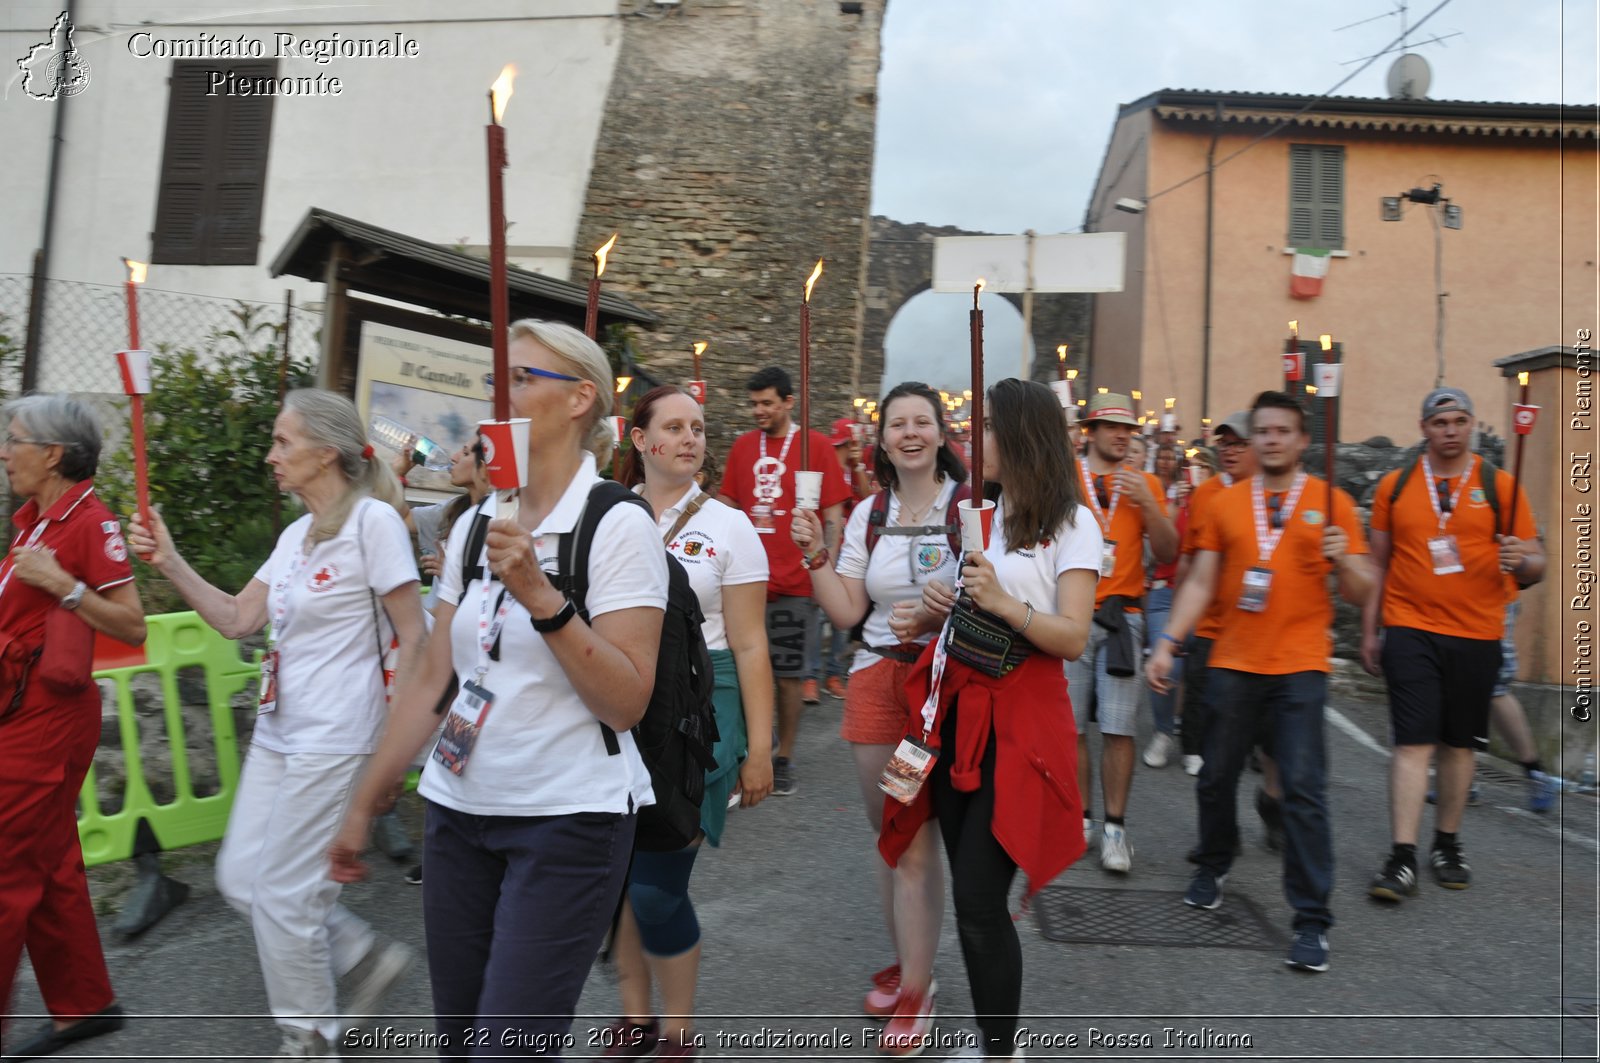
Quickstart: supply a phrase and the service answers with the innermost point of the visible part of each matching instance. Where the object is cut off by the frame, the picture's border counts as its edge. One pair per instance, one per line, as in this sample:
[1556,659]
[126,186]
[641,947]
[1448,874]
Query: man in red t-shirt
[1105,683]
[1448,565]
[758,478]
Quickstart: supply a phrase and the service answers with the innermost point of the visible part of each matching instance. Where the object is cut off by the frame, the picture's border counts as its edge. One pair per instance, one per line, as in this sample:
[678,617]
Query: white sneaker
[1192,763]
[373,977]
[300,1043]
[1158,751]
[1088,833]
[1116,854]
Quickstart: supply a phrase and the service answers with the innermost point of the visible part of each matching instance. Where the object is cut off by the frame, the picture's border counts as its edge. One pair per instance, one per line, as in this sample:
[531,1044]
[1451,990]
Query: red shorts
[875,707]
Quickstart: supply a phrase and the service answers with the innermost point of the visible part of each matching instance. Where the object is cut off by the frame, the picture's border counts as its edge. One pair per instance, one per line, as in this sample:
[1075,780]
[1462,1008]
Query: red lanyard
[1433,493]
[1105,517]
[1267,540]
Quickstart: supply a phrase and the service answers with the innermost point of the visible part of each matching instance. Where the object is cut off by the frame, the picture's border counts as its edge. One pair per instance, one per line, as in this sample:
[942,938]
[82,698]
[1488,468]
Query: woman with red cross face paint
[338,591]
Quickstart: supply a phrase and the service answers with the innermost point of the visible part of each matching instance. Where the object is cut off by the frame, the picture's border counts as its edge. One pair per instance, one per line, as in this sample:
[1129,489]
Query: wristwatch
[74,598]
[556,622]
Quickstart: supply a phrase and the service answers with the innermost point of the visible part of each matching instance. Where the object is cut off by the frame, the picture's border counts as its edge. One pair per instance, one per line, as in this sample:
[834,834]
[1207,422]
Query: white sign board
[1065,262]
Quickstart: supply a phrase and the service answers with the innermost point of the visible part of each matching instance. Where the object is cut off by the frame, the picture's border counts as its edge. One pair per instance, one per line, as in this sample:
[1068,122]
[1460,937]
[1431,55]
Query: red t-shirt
[759,477]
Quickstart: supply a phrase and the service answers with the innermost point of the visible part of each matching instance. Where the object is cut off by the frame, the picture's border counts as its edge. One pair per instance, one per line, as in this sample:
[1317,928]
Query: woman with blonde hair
[532,791]
[340,586]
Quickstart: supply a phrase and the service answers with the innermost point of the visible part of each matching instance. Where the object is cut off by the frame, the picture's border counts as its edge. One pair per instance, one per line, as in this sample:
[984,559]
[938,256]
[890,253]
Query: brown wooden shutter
[1316,196]
[213,173]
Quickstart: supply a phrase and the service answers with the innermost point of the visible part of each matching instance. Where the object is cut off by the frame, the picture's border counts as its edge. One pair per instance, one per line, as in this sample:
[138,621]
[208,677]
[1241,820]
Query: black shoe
[1396,882]
[414,876]
[1450,868]
[1270,809]
[1205,890]
[49,1039]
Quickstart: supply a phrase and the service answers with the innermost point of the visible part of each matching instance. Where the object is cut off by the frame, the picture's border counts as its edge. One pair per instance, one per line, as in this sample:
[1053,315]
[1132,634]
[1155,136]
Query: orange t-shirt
[1200,500]
[1293,633]
[1127,531]
[1470,604]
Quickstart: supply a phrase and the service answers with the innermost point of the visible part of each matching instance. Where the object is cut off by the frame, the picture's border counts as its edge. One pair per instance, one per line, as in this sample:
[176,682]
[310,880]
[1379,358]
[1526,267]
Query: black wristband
[556,622]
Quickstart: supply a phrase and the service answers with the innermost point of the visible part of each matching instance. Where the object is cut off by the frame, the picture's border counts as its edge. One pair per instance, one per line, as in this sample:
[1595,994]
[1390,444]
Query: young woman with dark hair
[882,569]
[658,937]
[1004,783]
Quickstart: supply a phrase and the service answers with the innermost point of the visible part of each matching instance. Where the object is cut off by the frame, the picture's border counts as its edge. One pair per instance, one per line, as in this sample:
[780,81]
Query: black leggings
[980,877]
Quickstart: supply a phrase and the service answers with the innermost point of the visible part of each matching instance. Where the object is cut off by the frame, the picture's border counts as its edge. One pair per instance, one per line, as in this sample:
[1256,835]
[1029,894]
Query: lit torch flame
[622,383]
[138,270]
[1522,378]
[1294,327]
[976,289]
[1137,395]
[500,91]
[1171,403]
[1191,452]
[1061,353]
[1326,341]
[811,281]
[700,347]
[1072,374]
[600,254]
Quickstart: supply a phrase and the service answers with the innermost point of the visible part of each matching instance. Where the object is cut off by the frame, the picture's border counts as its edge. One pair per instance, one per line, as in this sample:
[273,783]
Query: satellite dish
[1409,78]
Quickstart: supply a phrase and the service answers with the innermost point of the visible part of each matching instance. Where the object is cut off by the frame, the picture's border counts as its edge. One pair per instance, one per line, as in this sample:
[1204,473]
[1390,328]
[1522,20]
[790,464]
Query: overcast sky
[993,115]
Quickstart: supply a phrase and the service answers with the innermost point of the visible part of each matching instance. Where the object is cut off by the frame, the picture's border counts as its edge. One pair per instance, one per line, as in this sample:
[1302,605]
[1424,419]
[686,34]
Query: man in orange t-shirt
[1105,682]
[1267,547]
[1447,568]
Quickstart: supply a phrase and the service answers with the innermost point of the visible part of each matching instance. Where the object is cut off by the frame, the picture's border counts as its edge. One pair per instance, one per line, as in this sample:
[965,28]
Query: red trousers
[45,752]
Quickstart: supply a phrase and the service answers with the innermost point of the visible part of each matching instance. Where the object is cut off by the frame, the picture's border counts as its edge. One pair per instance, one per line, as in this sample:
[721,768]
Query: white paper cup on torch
[977,519]
[1063,390]
[505,461]
[1169,422]
[619,428]
[135,369]
[1327,376]
[808,490]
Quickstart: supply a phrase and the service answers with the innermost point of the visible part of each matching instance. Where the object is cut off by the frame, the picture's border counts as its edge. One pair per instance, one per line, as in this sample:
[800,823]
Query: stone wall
[737,150]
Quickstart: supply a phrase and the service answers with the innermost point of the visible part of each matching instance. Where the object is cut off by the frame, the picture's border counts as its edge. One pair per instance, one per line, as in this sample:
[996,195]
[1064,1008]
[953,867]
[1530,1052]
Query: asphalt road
[1504,970]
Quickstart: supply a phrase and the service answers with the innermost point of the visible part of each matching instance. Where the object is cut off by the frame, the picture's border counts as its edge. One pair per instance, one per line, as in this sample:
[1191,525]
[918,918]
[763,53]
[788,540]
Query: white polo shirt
[330,668]
[1030,575]
[541,751]
[897,569]
[718,547]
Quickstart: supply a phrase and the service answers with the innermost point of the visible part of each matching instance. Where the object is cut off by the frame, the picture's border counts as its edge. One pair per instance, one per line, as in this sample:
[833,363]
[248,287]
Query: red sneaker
[884,996]
[835,687]
[910,1030]
[808,692]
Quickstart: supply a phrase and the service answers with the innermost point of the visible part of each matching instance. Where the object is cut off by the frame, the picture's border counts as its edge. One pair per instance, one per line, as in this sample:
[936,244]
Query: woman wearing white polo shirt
[339,584]
[880,568]
[1004,785]
[530,821]
[658,937]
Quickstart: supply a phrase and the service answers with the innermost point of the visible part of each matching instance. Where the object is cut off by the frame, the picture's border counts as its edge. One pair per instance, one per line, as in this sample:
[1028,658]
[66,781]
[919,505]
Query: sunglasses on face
[522,376]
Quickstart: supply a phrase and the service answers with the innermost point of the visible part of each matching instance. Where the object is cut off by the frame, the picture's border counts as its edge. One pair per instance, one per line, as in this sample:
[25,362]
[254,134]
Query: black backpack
[676,736]
[1491,493]
[877,526]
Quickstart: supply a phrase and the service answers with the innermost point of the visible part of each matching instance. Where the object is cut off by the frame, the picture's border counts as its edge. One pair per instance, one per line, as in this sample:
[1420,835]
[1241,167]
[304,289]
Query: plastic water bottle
[397,437]
[1587,781]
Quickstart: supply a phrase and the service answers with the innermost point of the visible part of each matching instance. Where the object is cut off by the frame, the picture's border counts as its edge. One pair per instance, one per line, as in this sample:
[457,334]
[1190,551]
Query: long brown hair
[1041,487]
[947,461]
[632,472]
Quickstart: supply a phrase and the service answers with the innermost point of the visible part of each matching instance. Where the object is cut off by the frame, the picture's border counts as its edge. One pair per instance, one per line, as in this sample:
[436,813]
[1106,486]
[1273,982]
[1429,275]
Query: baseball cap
[1111,408]
[1237,422]
[842,431]
[1446,400]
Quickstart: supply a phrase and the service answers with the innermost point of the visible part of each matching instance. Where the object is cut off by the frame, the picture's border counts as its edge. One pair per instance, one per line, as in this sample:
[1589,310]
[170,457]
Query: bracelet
[817,560]
[1027,619]
[1175,641]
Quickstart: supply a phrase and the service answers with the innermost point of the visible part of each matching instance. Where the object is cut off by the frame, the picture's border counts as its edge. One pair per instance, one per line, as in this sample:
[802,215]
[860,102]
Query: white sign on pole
[1066,262]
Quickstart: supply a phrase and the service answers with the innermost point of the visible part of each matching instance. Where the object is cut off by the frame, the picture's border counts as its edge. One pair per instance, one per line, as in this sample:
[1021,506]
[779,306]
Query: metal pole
[1027,314]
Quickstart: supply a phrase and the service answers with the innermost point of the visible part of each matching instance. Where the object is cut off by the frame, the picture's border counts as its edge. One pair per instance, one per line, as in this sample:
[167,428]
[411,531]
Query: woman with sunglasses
[1004,783]
[880,568]
[658,936]
[530,819]
[340,586]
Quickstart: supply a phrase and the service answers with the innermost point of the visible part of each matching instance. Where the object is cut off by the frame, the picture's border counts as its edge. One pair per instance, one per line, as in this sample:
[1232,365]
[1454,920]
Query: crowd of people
[1117,571]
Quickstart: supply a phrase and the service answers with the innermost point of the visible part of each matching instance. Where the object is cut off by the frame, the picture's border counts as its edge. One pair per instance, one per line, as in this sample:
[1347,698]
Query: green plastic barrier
[175,641]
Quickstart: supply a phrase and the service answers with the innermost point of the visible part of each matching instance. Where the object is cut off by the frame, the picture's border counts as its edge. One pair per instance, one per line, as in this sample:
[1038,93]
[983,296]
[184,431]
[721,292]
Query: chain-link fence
[84,324]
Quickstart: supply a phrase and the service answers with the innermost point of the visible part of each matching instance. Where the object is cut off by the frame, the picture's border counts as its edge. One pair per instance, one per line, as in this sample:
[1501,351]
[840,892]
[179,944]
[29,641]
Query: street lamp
[1440,209]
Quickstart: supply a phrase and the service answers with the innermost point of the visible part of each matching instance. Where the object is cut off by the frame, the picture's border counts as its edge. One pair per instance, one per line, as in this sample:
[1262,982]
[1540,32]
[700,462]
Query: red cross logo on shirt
[323,579]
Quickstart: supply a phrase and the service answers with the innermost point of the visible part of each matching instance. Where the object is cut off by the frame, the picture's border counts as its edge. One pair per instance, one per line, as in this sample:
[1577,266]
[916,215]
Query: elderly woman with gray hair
[340,585]
[65,578]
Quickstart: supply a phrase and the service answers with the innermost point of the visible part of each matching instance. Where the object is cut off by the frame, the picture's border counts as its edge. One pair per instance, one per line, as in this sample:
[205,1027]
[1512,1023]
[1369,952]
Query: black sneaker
[782,777]
[1450,868]
[414,876]
[1396,882]
[1205,890]
[1270,809]
[1309,951]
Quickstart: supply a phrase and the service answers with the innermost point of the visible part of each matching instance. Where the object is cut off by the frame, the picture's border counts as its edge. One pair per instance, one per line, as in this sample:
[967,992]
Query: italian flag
[1310,267]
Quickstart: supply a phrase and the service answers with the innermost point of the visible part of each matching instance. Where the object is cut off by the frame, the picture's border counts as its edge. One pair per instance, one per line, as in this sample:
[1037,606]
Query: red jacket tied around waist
[1037,810]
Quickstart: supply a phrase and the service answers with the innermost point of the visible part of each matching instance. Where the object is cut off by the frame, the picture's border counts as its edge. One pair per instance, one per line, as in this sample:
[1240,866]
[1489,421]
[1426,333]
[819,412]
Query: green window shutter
[1316,196]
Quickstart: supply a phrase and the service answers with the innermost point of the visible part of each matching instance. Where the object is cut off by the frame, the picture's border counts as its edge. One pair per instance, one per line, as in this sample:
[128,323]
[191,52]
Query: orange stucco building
[1302,171]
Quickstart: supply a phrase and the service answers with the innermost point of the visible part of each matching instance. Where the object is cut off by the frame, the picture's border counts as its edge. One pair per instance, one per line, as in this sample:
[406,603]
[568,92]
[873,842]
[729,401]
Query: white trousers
[273,867]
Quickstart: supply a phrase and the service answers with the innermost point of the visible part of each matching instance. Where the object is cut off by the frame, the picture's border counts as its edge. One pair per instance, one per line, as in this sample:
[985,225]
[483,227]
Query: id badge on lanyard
[907,770]
[1446,555]
[462,726]
[267,689]
[1253,594]
[1108,558]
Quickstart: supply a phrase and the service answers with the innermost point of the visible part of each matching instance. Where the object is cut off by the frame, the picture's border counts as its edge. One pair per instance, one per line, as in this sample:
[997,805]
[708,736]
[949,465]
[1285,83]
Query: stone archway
[900,266]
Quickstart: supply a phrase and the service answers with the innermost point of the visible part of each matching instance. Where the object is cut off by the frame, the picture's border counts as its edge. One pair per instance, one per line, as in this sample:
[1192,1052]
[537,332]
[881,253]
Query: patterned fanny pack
[981,640]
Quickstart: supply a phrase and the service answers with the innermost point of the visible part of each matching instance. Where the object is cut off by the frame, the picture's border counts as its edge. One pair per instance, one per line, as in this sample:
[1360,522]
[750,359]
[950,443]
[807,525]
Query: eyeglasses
[522,374]
[1234,443]
[1443,487]
[10,441]
[1275,505]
